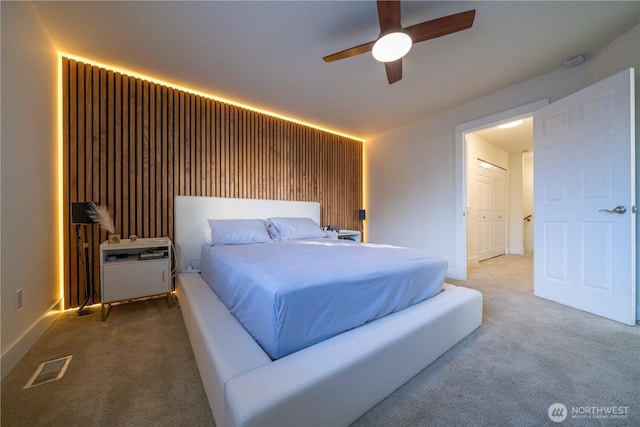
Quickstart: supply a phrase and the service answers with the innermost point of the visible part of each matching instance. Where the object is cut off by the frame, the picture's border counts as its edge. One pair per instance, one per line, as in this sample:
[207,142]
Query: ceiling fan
[395,41]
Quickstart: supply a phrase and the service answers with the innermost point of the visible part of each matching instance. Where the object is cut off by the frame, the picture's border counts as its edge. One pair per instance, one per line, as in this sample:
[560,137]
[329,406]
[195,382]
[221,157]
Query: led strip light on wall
[204,94]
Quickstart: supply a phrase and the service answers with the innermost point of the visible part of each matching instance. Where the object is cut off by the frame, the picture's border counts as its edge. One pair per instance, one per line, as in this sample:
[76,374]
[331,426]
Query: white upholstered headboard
[191,229]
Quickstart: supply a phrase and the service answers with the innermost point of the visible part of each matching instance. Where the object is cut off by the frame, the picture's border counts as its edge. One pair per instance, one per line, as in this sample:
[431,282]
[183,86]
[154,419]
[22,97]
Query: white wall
[520,232]
[410,171]
[527,199]
[515,234]
[29,235]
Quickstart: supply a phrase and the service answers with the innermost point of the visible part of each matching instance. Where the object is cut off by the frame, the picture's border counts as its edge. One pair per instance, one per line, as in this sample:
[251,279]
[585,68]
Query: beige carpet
[134,369]
[528,354]
[137,368]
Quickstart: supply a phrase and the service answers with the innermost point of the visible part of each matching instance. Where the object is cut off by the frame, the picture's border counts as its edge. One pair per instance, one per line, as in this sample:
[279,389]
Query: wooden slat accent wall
[133,145]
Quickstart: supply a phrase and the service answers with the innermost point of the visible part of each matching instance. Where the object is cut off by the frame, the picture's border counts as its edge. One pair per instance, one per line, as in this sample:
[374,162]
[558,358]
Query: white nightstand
[134,269]
[354,235]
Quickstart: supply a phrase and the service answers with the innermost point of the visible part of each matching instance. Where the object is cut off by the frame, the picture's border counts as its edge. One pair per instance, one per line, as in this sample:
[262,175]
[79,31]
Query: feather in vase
[100,215]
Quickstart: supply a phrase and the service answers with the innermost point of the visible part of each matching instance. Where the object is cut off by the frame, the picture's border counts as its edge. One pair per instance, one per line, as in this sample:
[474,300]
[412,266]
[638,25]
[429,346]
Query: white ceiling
[269,54]
[513,140]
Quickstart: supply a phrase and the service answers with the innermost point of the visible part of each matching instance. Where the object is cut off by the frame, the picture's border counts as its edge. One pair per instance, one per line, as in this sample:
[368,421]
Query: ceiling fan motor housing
[391,31]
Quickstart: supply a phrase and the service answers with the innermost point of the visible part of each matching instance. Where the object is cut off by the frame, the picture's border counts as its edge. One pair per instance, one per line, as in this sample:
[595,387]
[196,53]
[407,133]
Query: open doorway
[513,216]
[499,163]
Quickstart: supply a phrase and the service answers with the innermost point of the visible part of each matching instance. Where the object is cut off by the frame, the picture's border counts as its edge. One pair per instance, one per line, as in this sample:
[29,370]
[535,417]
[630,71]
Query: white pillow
[283,228]
[238,231]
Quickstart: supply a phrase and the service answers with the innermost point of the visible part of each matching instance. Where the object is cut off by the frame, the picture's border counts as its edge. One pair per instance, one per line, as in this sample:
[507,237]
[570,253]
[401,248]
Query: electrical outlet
[19,300]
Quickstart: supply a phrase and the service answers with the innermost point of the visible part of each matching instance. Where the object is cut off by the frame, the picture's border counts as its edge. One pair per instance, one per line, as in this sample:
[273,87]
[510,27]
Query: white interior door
[490,209]
[584,169]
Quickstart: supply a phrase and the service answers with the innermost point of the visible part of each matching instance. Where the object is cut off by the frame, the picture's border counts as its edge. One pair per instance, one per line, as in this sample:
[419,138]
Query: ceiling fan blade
[389,15]
[394,70]
[348,53]
[441,26]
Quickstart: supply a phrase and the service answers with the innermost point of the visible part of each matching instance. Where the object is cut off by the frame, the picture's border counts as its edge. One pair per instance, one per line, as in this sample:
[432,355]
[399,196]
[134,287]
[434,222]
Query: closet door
[490,212]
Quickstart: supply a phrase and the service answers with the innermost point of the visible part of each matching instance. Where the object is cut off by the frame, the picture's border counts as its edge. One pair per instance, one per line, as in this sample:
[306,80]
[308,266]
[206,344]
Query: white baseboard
[23,344]
[472,260]
[516,251]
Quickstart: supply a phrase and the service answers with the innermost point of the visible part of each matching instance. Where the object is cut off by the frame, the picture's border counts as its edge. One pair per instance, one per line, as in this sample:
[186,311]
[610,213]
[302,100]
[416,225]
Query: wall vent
[49,371]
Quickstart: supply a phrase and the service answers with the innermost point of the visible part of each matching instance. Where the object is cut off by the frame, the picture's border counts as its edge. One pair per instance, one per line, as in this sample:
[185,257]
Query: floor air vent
[49,371]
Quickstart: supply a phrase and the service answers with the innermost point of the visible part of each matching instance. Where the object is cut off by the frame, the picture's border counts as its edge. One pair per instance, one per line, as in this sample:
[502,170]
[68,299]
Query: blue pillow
[238,231]
[283,228]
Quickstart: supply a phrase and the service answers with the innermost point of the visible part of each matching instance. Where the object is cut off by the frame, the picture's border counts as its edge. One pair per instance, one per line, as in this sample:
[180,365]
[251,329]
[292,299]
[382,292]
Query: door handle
[617,210]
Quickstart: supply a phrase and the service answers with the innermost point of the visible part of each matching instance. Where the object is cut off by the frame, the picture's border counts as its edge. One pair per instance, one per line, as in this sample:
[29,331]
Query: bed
[331,382]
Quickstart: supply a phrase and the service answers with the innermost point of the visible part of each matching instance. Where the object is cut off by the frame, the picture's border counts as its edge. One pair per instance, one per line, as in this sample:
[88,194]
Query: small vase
[114,238]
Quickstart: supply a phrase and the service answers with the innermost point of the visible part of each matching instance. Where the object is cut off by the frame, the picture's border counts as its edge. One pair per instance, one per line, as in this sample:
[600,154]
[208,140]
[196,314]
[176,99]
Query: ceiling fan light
[391,47]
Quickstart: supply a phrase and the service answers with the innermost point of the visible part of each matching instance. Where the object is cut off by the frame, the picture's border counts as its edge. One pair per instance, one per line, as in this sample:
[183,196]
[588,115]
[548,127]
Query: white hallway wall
[527,200]
[410,171]
[515,201]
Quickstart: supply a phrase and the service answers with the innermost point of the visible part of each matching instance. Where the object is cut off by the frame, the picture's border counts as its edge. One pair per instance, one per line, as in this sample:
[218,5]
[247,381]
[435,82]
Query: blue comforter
[292,294]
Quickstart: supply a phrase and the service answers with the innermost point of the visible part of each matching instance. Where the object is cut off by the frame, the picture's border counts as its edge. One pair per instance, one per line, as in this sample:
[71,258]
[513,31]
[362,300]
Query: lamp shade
[391,47]
[79,213]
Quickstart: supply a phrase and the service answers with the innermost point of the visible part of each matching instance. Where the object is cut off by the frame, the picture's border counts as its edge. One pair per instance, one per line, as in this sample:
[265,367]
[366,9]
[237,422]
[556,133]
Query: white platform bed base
[329,384]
